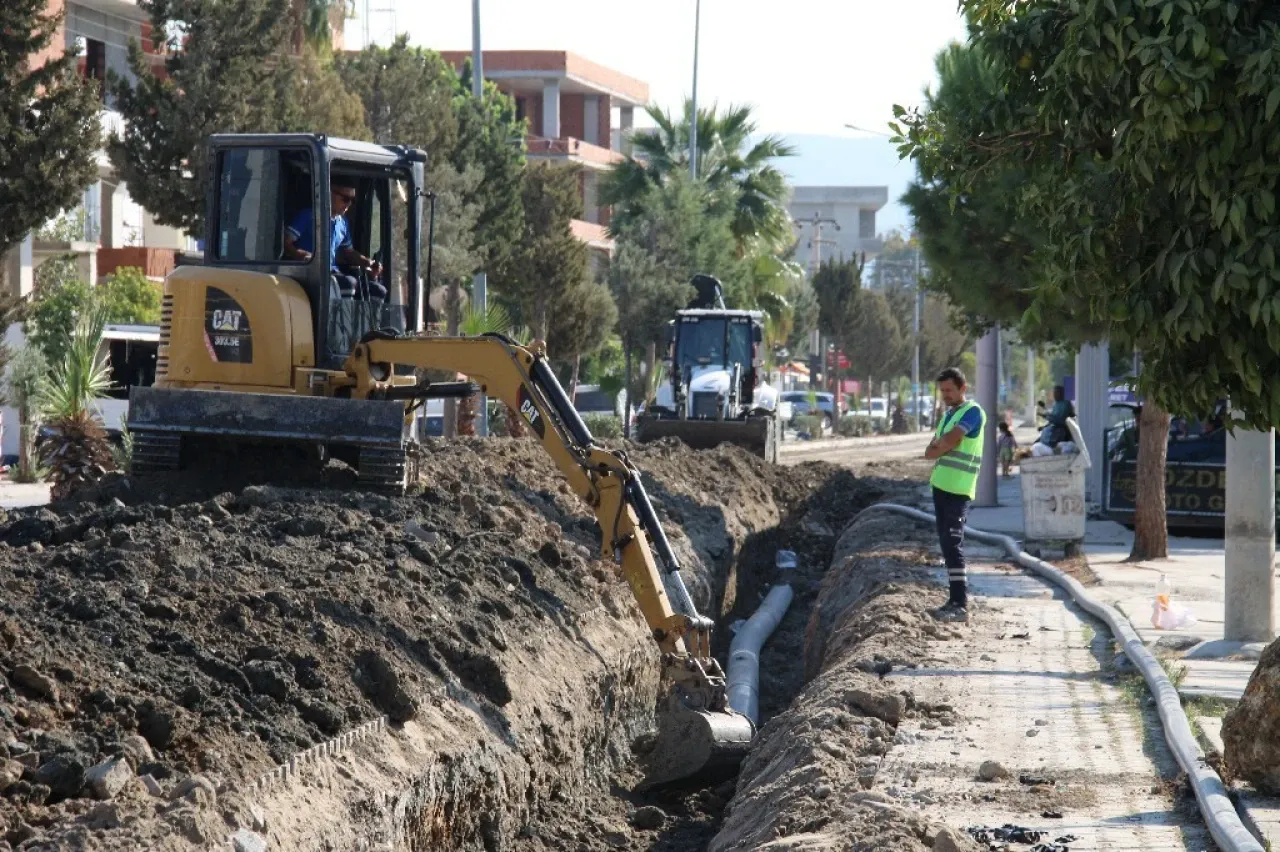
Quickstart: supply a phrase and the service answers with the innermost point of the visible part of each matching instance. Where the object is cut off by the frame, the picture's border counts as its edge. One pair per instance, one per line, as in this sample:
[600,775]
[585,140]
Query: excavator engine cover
[696,746]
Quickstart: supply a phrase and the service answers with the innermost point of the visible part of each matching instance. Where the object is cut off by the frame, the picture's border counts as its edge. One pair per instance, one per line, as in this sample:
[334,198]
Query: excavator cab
[273,193]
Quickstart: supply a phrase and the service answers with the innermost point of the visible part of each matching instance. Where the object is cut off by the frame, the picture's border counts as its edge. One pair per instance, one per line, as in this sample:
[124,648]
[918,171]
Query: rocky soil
[171,640]
[1251,730]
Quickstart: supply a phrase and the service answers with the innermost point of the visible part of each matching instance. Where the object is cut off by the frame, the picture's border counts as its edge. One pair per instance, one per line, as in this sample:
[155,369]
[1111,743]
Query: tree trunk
[1150,523]
[573,379]
[626,422]
[650,366]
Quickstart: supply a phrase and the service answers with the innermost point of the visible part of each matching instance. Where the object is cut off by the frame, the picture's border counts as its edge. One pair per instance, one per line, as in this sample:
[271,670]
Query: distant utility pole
[915,332]
[817,242]
[481,283]
[693,119]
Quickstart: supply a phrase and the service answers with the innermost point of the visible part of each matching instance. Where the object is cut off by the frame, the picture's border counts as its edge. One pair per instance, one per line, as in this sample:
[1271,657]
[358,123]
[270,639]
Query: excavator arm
[698,733]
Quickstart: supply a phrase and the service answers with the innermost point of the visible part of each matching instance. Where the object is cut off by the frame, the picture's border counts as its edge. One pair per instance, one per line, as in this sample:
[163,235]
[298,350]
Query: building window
[95,63]
[866,224]
[521,108]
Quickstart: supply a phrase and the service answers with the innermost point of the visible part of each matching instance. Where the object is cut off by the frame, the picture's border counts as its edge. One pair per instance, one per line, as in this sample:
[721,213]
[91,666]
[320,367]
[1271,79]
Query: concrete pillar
[988,382]
[626,119]
[1093,378]
[551,109]
[20,268]
[1250,593]
[1031,386]
[590,204]
[591,119]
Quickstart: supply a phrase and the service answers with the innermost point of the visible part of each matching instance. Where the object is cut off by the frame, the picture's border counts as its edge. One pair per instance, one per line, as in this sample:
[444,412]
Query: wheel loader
[263,343]
[714,393]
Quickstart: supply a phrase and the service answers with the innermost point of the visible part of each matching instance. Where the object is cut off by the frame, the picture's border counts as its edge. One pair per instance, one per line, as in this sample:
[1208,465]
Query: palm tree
[77,453]
[743,180]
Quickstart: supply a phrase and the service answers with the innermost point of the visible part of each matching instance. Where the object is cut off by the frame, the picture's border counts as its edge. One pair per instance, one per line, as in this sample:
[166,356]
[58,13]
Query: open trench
[319,669]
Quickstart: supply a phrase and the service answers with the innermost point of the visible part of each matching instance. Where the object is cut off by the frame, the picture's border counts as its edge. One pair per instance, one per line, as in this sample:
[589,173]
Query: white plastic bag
[1039,450]
[1165,614]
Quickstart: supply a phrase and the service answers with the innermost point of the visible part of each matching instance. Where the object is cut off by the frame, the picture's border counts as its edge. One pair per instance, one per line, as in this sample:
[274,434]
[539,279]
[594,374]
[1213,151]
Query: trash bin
[1053,507]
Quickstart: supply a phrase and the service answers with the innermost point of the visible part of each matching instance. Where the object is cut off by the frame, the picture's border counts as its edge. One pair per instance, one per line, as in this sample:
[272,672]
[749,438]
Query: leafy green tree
[229,68]
[877,345]
[942,341]
[1152,131]
[222,76]
[26,371]
[647,297]
[59,296]
[1142,142]
[474,153]
[549,260]
[836,285]
[740,175]
[130,297]
[49,125]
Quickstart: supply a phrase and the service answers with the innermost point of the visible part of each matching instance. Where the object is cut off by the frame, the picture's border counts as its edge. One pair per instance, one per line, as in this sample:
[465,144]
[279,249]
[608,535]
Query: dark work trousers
[951,511]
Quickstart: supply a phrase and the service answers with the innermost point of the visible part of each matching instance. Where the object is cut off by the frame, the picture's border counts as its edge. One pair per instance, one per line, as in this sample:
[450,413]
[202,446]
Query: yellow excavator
[290,333]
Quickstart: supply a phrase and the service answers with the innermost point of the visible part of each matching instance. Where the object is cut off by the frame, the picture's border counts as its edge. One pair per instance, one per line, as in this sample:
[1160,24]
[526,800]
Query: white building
[836,222]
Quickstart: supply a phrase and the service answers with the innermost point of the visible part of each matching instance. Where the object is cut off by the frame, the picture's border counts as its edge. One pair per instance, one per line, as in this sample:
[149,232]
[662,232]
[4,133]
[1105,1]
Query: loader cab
[267,187]
[717,340]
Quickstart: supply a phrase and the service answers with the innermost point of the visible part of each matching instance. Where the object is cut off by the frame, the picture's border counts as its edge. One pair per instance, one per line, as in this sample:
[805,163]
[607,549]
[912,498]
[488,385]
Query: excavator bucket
[696,746]
[756,435]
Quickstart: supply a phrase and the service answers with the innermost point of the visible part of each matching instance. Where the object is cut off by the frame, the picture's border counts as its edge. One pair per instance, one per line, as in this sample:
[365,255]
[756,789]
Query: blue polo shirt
[970,421]
[300,228]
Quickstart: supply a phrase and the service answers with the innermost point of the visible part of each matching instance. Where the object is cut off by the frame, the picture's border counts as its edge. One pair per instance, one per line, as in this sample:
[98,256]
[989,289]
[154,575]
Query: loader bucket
[756,435]
[697,746]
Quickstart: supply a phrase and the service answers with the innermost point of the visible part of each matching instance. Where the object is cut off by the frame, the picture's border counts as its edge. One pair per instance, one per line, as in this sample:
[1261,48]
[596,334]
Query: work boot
[952,611]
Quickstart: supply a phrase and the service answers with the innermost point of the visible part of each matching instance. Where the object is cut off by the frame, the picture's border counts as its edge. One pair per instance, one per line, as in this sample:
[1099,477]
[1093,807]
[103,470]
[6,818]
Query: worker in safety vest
[957,451]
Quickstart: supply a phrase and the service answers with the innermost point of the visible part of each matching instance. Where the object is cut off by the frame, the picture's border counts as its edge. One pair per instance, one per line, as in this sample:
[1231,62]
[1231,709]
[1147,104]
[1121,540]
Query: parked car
[800,405]
[1195,471]
[877,415]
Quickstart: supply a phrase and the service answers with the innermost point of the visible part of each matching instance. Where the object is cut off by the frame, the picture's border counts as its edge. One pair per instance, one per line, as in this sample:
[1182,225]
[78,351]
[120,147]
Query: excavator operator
[299,242]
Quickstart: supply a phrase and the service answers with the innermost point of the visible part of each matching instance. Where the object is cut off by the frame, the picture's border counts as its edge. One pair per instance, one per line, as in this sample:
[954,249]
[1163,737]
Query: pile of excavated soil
[806,785]
[178,636]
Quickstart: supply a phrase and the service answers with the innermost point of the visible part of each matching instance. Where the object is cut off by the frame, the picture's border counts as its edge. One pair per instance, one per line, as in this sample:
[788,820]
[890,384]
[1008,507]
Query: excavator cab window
[258,189]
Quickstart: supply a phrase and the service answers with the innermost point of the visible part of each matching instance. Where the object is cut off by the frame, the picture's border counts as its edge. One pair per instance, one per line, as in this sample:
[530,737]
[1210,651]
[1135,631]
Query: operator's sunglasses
[347,197]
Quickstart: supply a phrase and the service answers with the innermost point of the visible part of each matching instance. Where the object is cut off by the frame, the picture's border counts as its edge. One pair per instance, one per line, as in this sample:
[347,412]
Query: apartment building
[578,111]
[836,221]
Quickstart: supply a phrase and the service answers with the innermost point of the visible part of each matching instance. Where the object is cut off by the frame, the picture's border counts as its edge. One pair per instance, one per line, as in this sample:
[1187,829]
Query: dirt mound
[806,784]
[209,627]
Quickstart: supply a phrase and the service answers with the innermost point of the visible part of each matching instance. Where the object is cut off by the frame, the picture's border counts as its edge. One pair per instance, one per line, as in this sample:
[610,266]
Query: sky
[807,67]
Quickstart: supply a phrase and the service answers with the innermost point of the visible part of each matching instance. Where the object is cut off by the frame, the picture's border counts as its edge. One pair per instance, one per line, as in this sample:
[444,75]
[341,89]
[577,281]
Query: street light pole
[693,118]
[480,284]
[915,361]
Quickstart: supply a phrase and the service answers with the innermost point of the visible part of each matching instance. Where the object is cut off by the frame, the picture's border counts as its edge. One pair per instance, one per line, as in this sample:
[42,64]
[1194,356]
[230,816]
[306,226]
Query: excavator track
[382,469]
[155,452]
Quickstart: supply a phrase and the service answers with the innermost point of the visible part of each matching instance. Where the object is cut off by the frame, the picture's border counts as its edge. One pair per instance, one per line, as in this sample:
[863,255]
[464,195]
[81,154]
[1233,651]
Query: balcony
[155,263]
[575,150]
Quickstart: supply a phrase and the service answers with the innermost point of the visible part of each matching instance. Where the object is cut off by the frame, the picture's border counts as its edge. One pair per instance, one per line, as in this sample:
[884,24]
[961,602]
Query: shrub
[607,426]
[854,426]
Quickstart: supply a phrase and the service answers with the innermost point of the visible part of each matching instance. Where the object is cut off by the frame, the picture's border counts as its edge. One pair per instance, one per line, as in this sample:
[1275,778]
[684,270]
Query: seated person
[299,242]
